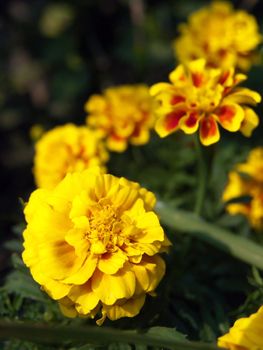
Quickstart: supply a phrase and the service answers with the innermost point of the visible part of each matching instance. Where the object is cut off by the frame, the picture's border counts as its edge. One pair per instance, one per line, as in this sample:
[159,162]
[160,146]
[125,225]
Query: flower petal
[169,123]
[230,117]
[110,288]
[84,273]
[243,96]
[110,263]
[130,308]
[209,132]
[190,123]
[250,122]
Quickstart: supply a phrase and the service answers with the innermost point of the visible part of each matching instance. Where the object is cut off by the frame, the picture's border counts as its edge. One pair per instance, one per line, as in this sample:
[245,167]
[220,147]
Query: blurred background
[55,54]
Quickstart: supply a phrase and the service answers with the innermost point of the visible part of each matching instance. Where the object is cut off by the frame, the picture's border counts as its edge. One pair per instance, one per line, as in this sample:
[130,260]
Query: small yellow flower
[122,115]
[66,149]
[247,181]
[93,244]
[225,37]
[201,98]
[246,334]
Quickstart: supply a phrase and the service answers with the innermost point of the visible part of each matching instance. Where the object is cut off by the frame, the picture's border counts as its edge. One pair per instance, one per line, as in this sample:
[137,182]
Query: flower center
[105,229]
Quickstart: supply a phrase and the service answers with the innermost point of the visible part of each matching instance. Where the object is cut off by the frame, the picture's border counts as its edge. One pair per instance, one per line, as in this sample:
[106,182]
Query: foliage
[51,61]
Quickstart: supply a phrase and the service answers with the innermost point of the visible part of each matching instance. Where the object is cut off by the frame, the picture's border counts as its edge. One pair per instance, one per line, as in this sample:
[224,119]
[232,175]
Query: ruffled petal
[110,263]
[129,308]
[110,288]
[85,271]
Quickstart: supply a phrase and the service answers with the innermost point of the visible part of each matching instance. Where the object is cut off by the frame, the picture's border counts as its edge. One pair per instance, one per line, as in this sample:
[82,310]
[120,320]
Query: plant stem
[44,333]
[202,177]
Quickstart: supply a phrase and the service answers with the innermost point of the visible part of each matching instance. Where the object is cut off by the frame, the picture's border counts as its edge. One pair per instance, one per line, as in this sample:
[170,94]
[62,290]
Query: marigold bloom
[122,115]
[92,243]
[224,37]
[246,334]
[201,98]
[247,181]
[66,149]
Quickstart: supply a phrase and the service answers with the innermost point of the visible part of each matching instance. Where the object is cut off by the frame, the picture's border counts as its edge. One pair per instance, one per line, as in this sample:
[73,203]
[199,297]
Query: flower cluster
[225,37]
[246,334]
[246,182]
[66,149]
[201,98]
[93,244]
[122,115]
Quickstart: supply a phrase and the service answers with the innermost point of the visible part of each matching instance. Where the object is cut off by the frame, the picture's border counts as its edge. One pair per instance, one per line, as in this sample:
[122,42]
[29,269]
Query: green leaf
[54,334]
[187,222]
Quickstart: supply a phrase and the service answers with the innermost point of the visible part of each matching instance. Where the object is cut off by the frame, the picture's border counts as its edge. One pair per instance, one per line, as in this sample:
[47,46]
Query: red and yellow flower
[93,244]
[122,115]
[223,36]
[247,181]
[64,149]
[246,334]
[200,98]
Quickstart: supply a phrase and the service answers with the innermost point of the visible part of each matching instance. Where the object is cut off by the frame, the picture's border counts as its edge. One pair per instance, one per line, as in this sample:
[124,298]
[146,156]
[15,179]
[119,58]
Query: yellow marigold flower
[92,243]
[247,181]
[66,149]
[246,334]
[122,114]
[225,37]
[201,98]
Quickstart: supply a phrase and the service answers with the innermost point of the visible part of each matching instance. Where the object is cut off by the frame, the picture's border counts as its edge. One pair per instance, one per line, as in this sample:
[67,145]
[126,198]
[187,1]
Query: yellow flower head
[92,243]
[201,98]
[225,37]
[246,334]
[122,114]
[247,181]
[66,149]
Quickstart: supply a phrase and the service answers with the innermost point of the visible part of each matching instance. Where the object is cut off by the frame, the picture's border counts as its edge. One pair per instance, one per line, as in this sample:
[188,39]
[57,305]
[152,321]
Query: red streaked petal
[168,123]
[189,124]
[230,117]
[197,79]
[177,99]
[209,132]
[172,119]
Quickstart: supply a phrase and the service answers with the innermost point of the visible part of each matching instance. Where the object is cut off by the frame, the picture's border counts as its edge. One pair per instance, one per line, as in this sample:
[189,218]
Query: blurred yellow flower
[246,334]
[247,181]
[93,244]
[225,37]
[122,115]
[66,149]
[201,98]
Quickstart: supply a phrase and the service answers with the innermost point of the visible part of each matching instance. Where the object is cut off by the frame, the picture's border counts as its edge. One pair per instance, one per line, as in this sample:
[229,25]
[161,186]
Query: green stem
[187,222]
[44,333]
[202,176]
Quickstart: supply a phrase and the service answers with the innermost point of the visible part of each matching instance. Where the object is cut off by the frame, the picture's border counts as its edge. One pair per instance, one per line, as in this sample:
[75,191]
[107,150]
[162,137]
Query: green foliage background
[54,54]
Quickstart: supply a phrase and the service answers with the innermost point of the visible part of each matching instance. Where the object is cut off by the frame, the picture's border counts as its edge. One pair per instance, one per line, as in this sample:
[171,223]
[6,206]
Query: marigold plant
[220,34]
[247,181]
[246,334]
[201,98]
[93,244]
[122,115]
[66,149]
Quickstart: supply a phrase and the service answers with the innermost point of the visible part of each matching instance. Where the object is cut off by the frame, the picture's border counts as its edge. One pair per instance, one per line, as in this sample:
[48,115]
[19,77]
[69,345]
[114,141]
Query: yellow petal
[110,263]
[84,272]
[250,122]
[110,288]
[130,308]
